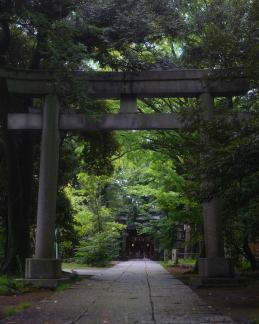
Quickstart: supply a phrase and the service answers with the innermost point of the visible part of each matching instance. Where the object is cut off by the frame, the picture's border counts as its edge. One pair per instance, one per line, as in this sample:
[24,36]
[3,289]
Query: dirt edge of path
[241,303]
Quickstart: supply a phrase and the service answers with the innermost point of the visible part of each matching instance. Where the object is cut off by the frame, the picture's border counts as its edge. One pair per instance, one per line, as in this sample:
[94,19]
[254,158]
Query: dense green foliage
[148,182]
[95,223]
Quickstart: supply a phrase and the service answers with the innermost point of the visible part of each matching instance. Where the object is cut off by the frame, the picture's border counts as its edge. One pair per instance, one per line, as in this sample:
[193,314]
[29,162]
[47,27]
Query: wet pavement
[133,292]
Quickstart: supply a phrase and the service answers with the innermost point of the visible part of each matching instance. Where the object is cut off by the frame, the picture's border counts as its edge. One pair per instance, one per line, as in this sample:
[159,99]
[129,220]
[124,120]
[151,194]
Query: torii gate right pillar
[214,264]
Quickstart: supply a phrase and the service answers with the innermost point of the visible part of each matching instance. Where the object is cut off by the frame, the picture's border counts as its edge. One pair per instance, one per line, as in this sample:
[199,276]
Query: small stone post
[175,256]
[214,265]
[44,265]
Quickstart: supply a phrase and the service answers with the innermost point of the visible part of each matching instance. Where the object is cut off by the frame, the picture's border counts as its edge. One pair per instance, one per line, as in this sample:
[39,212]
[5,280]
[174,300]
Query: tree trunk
[18,155]
[18,149]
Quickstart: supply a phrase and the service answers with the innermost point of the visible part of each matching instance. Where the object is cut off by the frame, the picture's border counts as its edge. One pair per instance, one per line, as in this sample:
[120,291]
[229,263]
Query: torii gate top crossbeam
[113,85]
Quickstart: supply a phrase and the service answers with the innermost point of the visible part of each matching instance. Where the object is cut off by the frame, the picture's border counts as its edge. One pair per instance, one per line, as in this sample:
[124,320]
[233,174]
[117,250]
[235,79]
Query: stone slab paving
[133,292]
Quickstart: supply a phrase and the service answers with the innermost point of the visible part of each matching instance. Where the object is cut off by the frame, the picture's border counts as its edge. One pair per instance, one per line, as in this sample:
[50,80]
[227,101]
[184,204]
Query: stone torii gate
[204,85]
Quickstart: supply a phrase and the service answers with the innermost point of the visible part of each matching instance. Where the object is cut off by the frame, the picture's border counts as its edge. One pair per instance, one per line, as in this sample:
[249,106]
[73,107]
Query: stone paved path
[134,292]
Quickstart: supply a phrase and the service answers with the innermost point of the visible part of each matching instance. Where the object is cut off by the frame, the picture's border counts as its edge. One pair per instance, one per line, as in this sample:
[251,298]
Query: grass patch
[74,265]
[66,285]
[189,262]
[184,262]
[12,310]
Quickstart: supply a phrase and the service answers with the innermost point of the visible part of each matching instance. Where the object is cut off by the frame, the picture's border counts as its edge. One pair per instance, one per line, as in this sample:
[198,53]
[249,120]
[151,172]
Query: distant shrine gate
[126,87]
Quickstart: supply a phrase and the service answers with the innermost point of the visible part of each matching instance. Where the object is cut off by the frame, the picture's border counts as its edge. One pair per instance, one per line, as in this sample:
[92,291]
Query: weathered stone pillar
[214,245]
[44,265]
[214,265]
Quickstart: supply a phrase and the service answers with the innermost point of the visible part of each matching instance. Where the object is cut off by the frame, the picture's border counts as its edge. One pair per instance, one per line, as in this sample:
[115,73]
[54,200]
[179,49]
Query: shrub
[98,250]
[9,286]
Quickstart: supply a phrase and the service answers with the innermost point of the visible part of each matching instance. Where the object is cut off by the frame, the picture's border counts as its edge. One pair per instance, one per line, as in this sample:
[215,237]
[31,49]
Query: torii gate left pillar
[44,265]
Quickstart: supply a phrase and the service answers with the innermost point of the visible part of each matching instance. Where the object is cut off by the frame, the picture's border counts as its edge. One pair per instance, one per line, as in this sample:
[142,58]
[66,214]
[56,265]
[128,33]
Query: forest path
[129,293]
